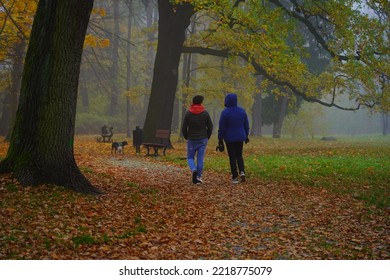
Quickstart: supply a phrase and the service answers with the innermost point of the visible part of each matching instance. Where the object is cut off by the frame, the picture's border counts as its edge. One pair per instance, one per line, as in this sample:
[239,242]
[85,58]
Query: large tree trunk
[41,148]
[173,22]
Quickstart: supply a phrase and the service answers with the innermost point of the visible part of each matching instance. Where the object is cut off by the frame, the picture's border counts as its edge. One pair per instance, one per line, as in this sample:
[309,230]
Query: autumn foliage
[151,210]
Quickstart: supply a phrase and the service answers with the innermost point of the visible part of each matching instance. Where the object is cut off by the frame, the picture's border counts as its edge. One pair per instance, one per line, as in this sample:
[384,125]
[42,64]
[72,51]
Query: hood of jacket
[231,100]
[197,109]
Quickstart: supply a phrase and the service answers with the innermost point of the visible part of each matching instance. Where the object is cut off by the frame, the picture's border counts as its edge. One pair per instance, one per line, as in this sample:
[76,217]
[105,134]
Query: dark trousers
[235,157]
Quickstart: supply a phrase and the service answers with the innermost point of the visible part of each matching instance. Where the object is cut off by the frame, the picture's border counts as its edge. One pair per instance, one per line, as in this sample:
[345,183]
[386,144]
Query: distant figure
[234,129]
[107,134]
[104,130]
[328,138]
[197,128]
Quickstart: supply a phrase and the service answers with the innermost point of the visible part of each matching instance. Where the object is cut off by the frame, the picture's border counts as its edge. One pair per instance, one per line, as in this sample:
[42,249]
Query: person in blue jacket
[234,130]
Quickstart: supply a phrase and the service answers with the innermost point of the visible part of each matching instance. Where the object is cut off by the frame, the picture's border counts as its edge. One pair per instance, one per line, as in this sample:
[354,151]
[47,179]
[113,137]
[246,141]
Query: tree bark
[41,148]
[129,4]
[385,123]
[278,124]
[257,108]
[113,109]
[187,61]
[188,64]
[173,22]
[257,122]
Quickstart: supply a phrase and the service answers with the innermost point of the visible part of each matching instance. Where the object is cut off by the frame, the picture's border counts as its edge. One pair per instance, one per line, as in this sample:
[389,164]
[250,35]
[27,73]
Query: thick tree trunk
[41,148]
[173,22]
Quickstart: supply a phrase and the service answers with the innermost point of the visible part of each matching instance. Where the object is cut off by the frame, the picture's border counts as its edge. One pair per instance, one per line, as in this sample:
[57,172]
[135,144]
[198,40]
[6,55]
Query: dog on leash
[118,147]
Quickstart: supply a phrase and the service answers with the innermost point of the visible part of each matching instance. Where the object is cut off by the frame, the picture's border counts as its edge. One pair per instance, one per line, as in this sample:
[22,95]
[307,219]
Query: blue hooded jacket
[233,123]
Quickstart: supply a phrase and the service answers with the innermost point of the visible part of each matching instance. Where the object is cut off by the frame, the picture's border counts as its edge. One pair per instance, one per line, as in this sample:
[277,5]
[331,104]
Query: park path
[151,210]
[255,219]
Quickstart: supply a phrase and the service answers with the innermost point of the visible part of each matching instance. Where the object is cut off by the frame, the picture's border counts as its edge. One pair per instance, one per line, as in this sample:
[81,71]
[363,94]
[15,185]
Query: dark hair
[198,99]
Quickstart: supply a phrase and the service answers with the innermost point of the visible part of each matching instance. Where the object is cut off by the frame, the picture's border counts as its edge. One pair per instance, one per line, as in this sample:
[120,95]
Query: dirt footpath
[255,219]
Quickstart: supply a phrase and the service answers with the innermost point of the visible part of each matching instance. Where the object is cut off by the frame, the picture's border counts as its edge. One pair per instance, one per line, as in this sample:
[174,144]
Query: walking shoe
[235,181]
[194,175]
[199,180]
[195,179]
[242,176]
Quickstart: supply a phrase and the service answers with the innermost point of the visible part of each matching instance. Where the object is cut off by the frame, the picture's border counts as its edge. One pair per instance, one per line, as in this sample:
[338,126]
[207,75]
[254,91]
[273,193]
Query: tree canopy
[268,35]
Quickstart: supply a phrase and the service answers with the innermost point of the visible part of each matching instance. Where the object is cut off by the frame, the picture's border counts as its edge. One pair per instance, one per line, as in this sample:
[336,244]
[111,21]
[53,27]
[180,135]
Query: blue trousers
[196,149]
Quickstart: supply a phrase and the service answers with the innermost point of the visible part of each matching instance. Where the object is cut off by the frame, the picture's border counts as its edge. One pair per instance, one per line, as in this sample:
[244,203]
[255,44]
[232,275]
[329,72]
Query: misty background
[117,71]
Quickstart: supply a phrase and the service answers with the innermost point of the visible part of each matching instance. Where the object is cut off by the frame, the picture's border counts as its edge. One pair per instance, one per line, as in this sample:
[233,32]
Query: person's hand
[247,140]
[221,146]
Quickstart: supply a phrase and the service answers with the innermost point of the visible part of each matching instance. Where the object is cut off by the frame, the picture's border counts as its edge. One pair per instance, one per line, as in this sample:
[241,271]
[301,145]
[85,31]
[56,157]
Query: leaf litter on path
[151,210]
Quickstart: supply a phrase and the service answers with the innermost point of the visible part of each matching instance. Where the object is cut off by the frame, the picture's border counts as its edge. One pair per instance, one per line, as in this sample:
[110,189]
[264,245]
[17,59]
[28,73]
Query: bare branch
[312,30]
[261,71]
[13,21]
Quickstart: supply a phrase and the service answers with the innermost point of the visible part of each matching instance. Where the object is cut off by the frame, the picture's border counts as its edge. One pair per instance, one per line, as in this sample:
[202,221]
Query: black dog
[118,147]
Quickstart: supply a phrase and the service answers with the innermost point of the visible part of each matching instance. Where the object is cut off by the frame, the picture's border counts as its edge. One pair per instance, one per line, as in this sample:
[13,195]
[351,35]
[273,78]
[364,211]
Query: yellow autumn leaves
[93,41]
[16,18]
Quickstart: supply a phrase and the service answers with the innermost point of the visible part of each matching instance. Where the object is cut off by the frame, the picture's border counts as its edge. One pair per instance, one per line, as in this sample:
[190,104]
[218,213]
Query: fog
[352,123]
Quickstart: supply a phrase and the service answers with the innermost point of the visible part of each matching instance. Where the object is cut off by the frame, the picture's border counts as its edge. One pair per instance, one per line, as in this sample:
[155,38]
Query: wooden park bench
[107,135]
[328,138]
[163,142]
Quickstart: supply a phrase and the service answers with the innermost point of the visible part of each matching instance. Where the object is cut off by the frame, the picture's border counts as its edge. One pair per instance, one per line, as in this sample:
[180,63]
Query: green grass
[86,169]
[358,166]
[345,169]
[11,187]
[83,239]
[364,177]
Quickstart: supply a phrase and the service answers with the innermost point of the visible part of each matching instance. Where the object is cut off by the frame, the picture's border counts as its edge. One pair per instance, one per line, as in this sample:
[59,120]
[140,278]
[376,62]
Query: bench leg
[147,147]
[155,151]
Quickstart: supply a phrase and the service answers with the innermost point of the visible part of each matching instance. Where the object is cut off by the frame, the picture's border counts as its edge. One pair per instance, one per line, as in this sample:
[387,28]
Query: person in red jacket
[197,128]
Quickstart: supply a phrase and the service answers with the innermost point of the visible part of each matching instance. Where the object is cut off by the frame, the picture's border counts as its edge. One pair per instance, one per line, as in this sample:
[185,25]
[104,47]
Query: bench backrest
[163,134]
